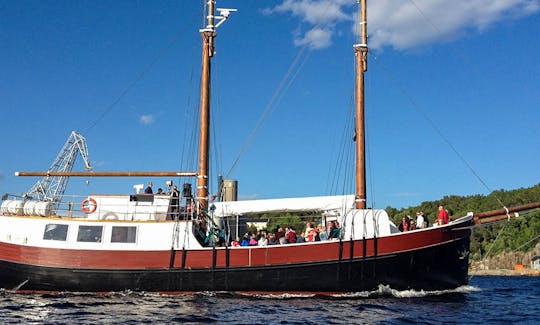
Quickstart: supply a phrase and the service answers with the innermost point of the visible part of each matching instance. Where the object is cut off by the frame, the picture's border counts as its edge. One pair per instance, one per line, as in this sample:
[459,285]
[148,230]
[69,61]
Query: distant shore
[504,272]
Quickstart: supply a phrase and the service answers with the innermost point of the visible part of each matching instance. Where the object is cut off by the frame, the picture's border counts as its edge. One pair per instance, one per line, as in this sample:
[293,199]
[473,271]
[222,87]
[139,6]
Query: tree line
[519,234]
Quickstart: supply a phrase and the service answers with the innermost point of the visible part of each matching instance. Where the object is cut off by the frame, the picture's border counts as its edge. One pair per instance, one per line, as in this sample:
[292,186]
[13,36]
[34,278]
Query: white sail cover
[342,203]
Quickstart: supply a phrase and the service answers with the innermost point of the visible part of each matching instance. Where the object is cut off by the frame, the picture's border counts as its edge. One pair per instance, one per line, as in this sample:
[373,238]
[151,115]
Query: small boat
[158,242]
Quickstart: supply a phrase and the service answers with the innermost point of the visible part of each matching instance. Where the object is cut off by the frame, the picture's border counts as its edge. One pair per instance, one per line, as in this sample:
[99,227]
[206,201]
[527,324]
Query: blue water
[493,300]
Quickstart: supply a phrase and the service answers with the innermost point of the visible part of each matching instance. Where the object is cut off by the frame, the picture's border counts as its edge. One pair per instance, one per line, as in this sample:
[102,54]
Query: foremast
[208,35]
[360,53]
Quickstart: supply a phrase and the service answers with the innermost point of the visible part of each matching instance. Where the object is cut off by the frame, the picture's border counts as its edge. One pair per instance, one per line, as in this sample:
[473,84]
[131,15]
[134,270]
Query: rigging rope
[281,90]
[492,244]
[438,131]
[433,125]
[131,85]
[497,237]
[283,86]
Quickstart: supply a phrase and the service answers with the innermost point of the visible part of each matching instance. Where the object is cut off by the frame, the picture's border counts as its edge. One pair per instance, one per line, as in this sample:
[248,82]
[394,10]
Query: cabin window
[90,234]
[55,232]
[123,234]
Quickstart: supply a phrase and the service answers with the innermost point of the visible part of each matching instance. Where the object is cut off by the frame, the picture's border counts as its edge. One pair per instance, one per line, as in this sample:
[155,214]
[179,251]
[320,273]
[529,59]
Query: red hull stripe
[239,257]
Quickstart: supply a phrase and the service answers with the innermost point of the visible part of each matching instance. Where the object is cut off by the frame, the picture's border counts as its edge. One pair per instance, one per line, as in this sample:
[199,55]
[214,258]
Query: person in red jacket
[290,235]
[443,217]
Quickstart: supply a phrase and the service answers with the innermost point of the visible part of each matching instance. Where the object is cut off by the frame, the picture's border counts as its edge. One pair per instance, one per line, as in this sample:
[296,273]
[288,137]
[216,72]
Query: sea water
[493,300]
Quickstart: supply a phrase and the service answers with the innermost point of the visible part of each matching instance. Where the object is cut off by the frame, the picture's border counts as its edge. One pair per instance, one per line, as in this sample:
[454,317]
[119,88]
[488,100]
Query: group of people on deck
[407,223]
[288,235]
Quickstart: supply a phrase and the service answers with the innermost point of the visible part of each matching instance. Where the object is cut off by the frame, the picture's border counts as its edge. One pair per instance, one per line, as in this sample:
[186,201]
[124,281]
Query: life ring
[88,205]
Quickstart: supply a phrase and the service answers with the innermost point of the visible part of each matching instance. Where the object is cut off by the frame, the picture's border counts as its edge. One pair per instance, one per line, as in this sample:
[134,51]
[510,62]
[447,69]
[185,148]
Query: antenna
[223,15]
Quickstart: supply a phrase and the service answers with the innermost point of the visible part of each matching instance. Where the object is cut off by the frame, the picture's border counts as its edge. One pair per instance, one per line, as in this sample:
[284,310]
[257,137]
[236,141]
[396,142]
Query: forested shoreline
[520,235]
[499,245]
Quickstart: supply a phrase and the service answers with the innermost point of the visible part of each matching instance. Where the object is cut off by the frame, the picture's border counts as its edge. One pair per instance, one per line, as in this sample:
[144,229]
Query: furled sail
[340,203]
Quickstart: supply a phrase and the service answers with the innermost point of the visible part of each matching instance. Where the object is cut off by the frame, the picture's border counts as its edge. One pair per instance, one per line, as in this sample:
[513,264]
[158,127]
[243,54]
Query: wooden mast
[208,34]
[360,52]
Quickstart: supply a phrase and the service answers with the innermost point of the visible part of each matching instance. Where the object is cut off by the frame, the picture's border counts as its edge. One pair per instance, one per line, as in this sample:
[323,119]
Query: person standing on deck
[148,189]
[174,204]
[443,217]
[405,224]
[420,220]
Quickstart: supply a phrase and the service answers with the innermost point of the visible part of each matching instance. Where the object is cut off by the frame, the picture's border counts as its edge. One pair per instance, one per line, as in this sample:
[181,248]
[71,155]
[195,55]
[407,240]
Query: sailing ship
[156,242]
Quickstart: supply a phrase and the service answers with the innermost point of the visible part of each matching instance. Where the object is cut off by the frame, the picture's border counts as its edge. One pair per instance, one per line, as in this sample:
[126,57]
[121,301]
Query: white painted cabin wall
[29,231]
[119,207]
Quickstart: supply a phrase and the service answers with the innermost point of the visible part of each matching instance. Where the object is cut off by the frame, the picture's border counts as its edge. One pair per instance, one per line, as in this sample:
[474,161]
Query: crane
[52,188]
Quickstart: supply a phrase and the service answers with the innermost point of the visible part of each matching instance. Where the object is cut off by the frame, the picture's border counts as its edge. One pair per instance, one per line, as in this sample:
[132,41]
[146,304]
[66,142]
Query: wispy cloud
[406,194]
[98,163]
[402,24]
[316,38]
[147,119]
[246,197]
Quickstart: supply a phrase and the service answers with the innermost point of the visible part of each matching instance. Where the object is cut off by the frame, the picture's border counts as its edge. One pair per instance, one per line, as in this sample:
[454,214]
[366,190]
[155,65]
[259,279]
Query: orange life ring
[88,205]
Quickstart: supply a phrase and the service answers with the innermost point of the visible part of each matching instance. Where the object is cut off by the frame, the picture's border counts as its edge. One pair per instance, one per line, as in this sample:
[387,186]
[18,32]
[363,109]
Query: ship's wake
[383,291]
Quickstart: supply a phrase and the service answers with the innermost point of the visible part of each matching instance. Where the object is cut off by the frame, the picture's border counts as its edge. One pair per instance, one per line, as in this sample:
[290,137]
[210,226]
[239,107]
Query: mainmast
[208,35]
[360,52]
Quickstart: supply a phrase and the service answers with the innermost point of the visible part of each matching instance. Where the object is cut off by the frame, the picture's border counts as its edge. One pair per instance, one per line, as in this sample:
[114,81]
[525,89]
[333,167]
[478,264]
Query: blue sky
[126,75]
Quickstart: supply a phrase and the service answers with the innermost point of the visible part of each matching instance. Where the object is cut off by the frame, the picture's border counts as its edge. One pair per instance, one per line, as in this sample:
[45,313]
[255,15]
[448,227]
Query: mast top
[224,14]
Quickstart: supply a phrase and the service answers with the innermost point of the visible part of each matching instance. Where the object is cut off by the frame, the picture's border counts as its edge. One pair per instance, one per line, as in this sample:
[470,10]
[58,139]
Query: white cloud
[319,15]
[403,24]
[316,38]
[315,12]
[147,119]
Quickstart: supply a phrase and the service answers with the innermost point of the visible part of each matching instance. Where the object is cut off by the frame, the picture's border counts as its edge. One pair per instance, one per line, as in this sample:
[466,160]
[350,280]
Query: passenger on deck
[148,189]
[333,230]
[322,232]
[412,225]
[290,235]
[252,240]
[175,204]
[263,241]
[420,220]
[405,224]
[311,233]
[279,234]
[159,191]
[245,240]
[219,241]
[443,217]
[272,239]
[236,242]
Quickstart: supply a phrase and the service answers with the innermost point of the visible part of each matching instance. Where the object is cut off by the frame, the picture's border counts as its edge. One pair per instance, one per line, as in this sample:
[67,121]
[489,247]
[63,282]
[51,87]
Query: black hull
[444,266]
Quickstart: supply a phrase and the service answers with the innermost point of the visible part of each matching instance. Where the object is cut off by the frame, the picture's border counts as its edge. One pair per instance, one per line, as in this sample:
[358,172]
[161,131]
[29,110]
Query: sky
[452,100]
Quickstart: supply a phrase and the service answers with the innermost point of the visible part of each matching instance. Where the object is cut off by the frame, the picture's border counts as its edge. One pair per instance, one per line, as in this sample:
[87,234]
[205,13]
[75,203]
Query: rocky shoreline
[505,272]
